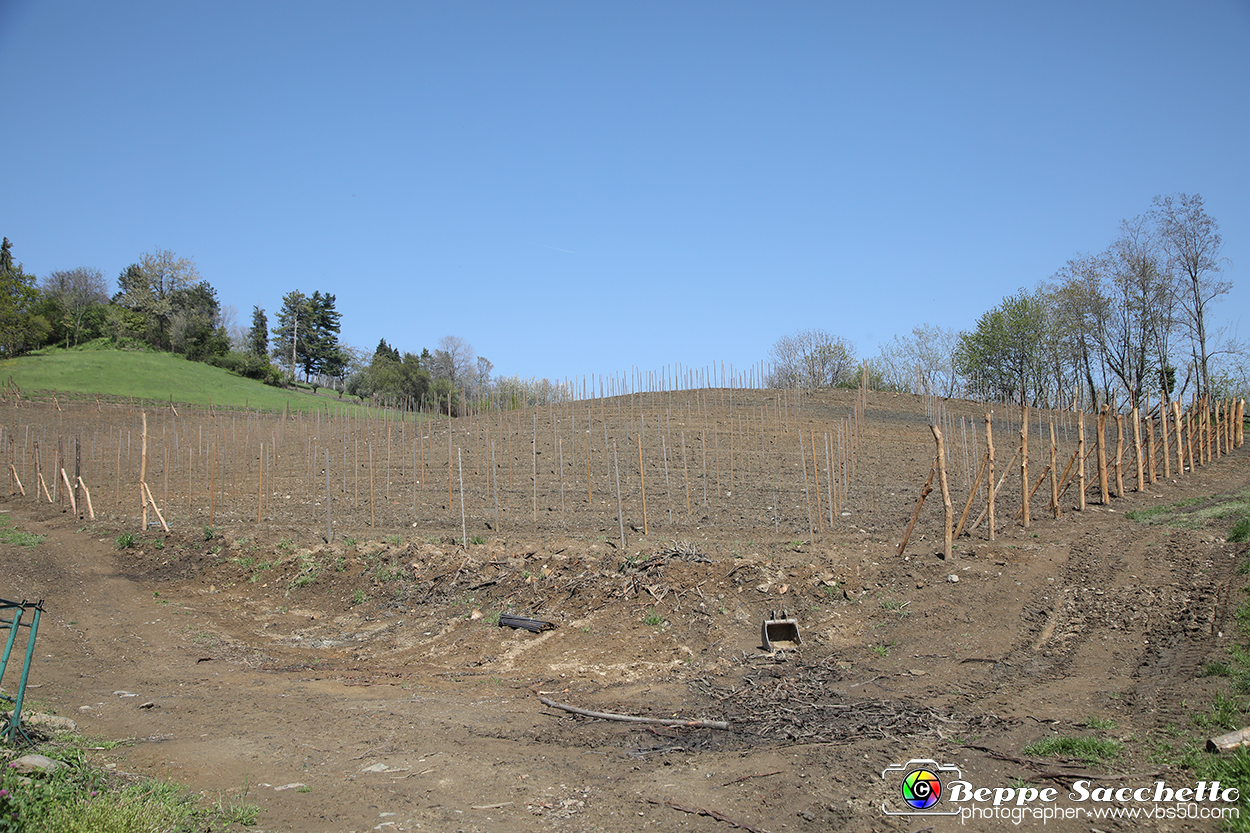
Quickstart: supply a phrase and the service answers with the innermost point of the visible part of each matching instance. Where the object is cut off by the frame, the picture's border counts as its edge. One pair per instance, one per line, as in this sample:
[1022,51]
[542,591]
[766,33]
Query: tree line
[1111,327]
[162,303]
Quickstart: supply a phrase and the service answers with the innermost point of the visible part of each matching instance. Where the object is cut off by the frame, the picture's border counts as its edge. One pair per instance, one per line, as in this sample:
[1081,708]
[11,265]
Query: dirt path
[380,695]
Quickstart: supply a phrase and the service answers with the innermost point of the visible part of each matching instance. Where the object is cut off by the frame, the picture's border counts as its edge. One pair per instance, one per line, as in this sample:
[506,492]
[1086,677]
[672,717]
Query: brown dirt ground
[364,684]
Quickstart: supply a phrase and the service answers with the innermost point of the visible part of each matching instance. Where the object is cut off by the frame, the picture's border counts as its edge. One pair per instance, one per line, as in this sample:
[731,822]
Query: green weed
[1089,749]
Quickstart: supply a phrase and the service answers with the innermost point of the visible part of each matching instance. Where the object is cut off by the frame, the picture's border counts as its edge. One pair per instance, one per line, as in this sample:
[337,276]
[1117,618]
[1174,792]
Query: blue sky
[582,188]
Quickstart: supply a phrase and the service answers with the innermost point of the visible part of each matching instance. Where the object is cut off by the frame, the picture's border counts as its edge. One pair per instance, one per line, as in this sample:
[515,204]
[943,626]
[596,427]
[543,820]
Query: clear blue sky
[581,188]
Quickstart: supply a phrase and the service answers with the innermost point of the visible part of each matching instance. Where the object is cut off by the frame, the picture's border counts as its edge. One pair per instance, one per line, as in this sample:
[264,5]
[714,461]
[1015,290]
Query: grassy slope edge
[157,377]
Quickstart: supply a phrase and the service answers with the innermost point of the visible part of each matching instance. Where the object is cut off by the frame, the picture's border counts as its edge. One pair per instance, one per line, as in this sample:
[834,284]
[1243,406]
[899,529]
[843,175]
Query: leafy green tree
[195,322]
[292,330]
[1001,357]
[148,288]
[391,379]
[76,298]
[258,335]
[307,336]
[21,328]
[322,355]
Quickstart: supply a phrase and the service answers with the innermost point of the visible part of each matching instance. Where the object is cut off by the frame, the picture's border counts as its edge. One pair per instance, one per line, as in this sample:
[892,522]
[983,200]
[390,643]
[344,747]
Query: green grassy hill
[158,377]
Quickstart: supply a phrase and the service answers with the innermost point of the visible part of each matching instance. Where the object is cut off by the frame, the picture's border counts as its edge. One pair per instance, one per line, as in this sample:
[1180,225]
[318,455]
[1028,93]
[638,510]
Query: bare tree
[923,362]
[76,291]
[1077,309]
[811,359]
[1191,240]
[1134,333]
[455,361]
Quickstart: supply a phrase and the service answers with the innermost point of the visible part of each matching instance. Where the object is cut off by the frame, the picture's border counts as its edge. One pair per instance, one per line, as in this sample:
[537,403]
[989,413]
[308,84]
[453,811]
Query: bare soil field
[358,678]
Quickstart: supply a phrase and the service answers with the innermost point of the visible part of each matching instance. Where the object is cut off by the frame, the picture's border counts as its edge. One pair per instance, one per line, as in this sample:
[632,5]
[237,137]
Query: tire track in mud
[1143,602]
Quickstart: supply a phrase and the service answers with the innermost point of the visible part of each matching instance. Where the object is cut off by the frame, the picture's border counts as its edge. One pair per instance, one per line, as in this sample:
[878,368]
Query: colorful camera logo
[920,786]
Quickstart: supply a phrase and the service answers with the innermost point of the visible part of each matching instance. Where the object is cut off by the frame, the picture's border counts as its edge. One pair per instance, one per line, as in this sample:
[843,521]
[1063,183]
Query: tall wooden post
[1180,437]
[1054,474]
[1163,434]
[143,472]
[989,484]
[1119,455]
[947,510]
[1141,470]
[1080,460]
[1100,443]
[1024,464]
[1150,448]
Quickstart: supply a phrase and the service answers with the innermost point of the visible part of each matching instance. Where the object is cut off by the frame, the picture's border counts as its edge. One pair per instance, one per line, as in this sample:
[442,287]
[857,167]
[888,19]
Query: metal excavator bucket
[780,632]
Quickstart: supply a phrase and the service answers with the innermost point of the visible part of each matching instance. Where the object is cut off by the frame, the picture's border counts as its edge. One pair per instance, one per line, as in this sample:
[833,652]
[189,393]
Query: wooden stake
[87,494]
[1119,455]
[1054,480]
[143,470]
[1180,437]
[148,492]
[1101,445]
[1024,465]
[69,490]
[1150,448]
[811,528]
[972,495]
[620,515]
[924,493]
[643,478]
[1163,431]
[948,512]
[989,485]
[1080,460]
[1141,471]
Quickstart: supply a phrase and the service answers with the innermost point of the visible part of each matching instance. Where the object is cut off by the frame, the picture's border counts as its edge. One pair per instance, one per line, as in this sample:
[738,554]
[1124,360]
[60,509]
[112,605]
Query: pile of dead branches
[676,551]
[795,703]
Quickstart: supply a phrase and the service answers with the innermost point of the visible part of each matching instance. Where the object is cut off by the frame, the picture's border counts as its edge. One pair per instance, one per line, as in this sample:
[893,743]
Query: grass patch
[1195,513]
[155,377]
[10,535]
[1090,749]
[82,798]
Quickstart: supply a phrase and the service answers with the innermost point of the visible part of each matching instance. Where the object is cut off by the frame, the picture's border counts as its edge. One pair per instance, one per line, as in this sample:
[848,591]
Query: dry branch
[628,718]
[924,493]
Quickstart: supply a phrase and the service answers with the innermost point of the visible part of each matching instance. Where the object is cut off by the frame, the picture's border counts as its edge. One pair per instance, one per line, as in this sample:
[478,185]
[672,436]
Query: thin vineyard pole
[495,479]
[620,516]
[668,492]
[535,459]
[464,528]
[820,516]
[829,482]
[642,476]
[811,529]
[686,468]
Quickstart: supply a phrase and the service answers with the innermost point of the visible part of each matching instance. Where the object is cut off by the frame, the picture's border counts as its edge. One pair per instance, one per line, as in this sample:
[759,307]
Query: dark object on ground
[534,625]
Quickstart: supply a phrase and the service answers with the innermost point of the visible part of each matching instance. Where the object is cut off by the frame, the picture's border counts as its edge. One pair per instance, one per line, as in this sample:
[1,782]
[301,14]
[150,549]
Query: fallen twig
[627,718]
[703,811]
[757,775]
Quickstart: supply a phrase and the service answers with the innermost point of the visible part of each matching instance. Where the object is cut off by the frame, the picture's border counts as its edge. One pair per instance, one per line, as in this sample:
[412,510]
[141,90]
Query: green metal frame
[12,728]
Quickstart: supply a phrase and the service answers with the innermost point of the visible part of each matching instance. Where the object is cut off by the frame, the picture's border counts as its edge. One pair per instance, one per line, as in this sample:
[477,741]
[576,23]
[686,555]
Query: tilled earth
[368,685]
